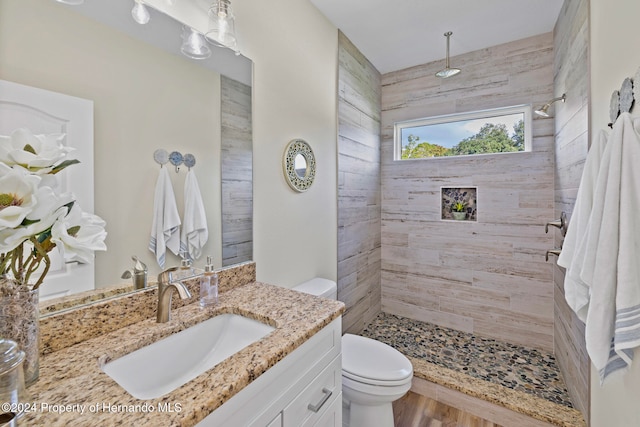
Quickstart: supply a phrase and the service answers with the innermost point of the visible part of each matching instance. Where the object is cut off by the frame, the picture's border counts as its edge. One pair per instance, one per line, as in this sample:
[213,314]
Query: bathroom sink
[165,365]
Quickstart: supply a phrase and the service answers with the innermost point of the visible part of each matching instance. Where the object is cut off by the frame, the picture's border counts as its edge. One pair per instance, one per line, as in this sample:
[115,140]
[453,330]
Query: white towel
[165,229]
[194,230]
[610,259]
[577,292]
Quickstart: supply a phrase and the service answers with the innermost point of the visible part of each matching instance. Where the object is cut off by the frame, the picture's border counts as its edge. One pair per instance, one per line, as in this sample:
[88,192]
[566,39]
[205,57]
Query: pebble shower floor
[520,368]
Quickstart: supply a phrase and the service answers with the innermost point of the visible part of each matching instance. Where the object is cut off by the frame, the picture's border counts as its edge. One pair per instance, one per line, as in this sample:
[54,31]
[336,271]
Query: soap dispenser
[208,285]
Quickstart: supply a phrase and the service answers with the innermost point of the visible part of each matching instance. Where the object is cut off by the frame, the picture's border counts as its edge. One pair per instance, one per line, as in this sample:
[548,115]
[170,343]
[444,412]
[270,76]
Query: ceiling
[397,34]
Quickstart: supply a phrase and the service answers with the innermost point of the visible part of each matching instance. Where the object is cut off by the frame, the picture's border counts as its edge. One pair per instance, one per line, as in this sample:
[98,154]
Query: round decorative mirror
[299,165]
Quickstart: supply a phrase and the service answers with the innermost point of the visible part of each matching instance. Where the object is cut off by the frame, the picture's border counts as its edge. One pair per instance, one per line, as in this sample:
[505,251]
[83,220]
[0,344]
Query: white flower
[78,235]
[38,153]
[49,202]
[50,207]
[34,218]
[17,196]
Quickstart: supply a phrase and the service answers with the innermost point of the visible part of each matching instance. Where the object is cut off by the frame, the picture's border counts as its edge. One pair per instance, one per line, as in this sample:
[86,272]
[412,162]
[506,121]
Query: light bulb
[223,8]
[140,13]
[221,30]
[194,45]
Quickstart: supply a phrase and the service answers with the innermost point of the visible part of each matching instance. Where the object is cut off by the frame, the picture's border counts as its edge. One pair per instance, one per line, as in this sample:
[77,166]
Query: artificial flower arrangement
[34,217]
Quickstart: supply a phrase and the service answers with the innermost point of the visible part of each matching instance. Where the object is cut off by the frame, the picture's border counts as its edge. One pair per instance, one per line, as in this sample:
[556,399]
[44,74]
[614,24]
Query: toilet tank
[320,287]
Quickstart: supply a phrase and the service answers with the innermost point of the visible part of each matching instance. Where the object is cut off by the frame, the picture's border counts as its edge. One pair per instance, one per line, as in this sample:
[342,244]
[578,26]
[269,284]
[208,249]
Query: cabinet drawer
[306,408]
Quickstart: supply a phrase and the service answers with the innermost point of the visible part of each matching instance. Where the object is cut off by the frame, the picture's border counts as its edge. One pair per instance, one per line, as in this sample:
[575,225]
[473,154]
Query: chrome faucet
[165,291]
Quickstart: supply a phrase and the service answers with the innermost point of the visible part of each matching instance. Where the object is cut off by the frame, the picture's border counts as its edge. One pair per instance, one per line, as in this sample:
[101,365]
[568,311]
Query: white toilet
[373,373]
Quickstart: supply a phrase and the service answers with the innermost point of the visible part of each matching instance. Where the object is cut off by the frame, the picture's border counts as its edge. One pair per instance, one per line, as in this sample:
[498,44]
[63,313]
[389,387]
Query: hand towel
[576,292]
[165,228]
[610,262]
[194,230]
[627,302]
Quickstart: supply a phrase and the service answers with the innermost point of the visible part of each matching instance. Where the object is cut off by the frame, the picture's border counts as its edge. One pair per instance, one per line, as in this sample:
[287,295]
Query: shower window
[501,130]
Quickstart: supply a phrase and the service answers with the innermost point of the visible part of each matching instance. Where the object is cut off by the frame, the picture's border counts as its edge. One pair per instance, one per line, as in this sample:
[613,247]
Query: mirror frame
[294,148]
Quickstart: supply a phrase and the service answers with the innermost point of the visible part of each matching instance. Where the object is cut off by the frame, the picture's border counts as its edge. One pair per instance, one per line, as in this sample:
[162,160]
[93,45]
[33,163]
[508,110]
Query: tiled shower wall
[237,172]
[571,75]
[358,187]
[488,276]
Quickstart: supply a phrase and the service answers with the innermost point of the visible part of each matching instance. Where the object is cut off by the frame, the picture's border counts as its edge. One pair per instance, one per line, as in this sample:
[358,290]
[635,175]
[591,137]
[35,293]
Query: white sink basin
[165,365]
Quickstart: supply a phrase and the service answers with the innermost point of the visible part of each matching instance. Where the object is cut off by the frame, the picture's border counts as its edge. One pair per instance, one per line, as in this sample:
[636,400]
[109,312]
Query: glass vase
[19,321]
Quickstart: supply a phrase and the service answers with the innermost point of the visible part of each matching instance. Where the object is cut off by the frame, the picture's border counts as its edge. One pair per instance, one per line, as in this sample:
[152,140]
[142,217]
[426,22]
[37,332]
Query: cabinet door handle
[327,395]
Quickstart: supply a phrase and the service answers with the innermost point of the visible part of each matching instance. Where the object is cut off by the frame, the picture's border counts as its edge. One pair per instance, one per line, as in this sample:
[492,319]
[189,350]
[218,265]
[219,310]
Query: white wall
[294,51]
[615,54]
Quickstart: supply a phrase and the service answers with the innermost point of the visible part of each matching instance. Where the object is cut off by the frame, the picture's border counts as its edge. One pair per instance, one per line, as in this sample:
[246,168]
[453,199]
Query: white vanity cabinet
[303,389]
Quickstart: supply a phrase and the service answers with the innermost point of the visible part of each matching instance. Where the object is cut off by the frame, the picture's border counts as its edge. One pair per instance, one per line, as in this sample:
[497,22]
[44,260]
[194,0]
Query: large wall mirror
[146,95]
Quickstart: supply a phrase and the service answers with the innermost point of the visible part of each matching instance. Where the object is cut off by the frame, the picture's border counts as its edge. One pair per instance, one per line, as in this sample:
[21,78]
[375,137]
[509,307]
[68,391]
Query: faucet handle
[164,277]
[557,223]
[140,266]
[554,251]
[561,223]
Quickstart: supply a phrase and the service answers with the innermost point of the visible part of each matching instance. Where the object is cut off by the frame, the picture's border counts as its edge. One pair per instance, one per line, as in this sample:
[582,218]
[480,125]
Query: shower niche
[459,203]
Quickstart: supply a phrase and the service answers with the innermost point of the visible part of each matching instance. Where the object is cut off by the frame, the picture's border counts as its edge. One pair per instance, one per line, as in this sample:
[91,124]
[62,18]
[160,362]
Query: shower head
[447,71]
[542,111]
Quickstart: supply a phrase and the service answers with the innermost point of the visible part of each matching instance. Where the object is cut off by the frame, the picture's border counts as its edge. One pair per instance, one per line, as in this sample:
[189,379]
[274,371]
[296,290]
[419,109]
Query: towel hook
[189,160]
[176,159]
[161,156]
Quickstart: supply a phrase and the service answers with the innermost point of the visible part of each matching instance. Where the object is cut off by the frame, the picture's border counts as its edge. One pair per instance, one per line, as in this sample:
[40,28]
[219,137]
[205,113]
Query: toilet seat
[388,368]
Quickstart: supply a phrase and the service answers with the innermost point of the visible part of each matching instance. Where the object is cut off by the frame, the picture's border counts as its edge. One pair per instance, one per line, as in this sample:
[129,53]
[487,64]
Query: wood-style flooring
[415,410]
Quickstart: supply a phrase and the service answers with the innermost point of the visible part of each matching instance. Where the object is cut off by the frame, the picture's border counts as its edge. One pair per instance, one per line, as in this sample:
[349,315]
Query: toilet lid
[374,362]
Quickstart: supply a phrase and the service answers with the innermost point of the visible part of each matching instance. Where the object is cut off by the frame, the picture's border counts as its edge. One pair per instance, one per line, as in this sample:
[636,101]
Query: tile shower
[487,279]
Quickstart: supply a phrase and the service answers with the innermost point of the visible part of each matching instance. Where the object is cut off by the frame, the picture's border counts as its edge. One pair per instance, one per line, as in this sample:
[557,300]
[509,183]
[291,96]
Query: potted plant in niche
[35,218]
[458,210]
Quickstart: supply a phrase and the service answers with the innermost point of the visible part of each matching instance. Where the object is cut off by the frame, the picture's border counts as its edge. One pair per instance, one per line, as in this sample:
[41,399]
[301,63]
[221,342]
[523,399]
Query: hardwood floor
[415,410]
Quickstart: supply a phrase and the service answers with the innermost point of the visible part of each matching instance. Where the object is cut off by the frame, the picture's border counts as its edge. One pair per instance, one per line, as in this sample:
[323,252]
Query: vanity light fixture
[542,111]
[194,45]
[221,31]
[447,71]
[140,13]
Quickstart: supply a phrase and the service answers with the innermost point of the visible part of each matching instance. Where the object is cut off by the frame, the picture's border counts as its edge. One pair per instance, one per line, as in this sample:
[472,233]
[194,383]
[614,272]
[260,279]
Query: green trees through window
[492,138]
[500,130]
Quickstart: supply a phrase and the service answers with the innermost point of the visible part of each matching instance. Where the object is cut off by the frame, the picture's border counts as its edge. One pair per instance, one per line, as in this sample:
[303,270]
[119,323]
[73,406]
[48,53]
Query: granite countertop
[73,390]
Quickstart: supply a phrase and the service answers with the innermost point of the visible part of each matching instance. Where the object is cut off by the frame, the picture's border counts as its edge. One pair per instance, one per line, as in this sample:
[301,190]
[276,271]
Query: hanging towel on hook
[194,230]
[165,229]
[576,292]
[608,258]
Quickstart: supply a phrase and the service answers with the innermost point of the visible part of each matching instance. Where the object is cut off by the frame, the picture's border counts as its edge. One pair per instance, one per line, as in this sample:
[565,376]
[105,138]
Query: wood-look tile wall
[358,187]
[571,75]
[488,277]
[237,172]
